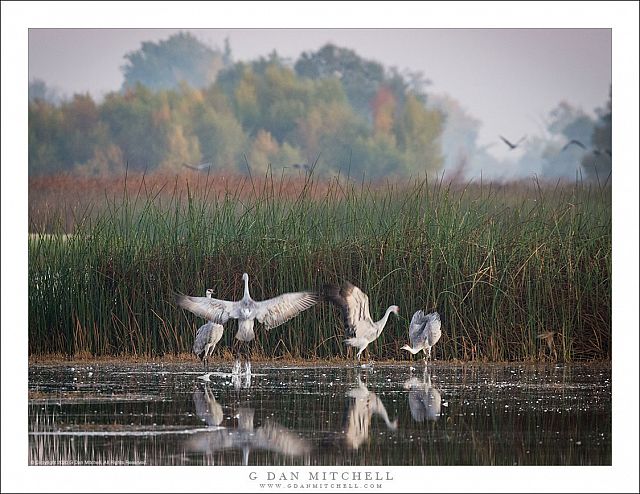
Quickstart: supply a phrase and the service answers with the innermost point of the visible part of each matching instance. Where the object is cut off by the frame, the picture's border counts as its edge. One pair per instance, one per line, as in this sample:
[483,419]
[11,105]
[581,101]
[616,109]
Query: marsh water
[380,414]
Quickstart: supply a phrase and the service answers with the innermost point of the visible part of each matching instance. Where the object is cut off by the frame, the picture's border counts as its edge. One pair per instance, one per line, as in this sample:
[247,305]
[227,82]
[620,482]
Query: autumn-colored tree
[383,108]
[359,77]
[417,135]
[346,112]
[46,153]
[139,121]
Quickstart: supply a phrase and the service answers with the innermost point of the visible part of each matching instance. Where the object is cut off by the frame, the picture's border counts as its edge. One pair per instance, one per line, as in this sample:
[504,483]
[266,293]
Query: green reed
[502,264]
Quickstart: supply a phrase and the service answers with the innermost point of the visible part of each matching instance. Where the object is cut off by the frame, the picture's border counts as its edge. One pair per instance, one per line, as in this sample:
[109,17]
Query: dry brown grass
[58,203]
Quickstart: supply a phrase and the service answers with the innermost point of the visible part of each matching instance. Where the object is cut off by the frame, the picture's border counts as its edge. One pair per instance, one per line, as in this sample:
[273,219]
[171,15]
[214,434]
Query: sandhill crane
[302,166]
[574,142]
[207,336]
[360,329]
[270,313]
[510,144]
[202,167]
[424,332]
[549,338]
[425,400]
[595,151]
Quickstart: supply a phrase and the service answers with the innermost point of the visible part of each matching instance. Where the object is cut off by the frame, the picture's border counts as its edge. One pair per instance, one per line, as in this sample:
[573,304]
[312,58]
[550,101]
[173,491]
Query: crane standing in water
[424,332]
[270,313]
[207,337]
[360,329]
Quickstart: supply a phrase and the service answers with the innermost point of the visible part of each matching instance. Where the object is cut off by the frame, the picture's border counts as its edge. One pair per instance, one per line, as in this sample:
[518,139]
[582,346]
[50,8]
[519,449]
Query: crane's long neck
[246,288]
[382,322]
[412,350]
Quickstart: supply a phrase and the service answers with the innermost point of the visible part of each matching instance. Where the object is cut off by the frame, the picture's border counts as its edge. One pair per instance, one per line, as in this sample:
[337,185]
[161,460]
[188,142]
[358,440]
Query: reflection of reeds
[501,263]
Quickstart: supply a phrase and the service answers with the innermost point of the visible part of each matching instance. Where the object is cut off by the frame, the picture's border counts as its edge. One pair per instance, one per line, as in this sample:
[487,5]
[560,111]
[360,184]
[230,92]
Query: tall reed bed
[503,264]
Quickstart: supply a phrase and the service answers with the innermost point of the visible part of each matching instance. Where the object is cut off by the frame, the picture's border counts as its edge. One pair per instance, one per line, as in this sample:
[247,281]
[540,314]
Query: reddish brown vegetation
[59,202]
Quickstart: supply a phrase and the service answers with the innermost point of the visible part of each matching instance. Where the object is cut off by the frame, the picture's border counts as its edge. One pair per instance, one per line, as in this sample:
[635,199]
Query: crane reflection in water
[270,436]
[363,405]
[424,399]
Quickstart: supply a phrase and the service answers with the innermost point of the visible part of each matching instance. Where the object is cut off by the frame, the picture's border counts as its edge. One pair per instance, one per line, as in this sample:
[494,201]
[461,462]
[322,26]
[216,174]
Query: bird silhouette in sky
[595,151]
[576,142]
[510,144]
[202,167]
[301,166]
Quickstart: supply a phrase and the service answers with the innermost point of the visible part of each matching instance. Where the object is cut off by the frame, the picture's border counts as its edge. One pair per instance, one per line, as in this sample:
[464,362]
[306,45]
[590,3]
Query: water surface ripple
[165,414]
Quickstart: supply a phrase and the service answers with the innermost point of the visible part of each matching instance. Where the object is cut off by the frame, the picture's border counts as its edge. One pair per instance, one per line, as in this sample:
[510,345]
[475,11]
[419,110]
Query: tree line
[350,115]
[182,102]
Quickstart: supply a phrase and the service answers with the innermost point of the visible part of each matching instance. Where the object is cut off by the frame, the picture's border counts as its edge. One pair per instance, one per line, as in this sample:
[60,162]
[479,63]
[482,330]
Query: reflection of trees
[424,398]
[358,417]
[271,437]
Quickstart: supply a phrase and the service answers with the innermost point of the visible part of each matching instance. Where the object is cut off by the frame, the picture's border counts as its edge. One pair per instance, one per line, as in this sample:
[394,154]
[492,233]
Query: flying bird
[576,142]
[360,329]
[270,313]
[424,332]
[595,151]
[207,336]
[510,144]
[600,151]
[202,167]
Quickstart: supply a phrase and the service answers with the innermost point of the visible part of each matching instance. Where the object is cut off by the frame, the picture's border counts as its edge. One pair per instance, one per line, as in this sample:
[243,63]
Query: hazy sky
[508,78]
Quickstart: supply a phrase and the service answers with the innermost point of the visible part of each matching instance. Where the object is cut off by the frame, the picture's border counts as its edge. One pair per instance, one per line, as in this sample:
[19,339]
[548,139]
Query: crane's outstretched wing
[218,311]
[506,141]
[416,328]
[576,142]
[424,327]
[203,167]
[203,335]
[510,144]
[432,330]
[353,303]
[278,310]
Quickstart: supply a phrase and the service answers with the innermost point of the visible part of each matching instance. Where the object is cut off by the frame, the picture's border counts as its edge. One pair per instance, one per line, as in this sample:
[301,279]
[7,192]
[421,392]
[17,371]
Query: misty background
[159,99]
